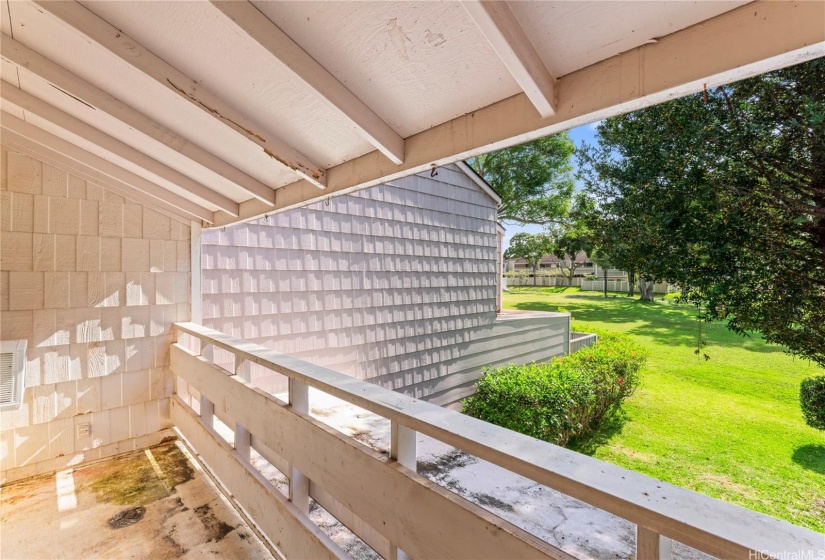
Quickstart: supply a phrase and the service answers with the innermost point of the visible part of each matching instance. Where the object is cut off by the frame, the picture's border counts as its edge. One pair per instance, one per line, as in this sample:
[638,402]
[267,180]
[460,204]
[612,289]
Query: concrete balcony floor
[154,503]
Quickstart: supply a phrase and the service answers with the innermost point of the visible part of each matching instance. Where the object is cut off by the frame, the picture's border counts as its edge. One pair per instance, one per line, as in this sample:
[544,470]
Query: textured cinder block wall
[94,283]
[395,284]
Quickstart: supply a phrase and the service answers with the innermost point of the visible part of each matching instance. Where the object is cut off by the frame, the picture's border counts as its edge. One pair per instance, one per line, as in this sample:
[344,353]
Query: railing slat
[710,525]
[403,445]
[208,351]
[403,448]
[243,369]
[298,482]
[243,441]
[650,545]
[207,411]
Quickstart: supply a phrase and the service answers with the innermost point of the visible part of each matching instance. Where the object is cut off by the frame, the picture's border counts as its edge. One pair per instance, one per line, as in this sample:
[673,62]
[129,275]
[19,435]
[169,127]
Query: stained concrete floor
[149,504]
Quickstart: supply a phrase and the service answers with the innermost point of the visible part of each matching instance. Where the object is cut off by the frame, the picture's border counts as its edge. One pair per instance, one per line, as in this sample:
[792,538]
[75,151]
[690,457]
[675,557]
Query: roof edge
[479,180]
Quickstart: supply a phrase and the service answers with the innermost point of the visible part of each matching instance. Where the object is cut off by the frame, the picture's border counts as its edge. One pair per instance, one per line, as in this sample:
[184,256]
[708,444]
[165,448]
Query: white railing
[399,513]
[583,340]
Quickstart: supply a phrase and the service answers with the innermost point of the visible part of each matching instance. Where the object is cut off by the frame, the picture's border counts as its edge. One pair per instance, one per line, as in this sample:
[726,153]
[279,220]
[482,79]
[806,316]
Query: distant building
[552,262]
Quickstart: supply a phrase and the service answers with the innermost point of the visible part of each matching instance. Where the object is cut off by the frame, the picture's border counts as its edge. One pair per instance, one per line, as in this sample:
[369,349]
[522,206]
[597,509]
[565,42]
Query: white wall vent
[12,373]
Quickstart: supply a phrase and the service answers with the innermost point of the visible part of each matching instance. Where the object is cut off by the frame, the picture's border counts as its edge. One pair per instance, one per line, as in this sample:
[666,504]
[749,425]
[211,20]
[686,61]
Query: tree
[535,180]
[613,239]
[602,258]
[530,247]
[723,193]
[568,245]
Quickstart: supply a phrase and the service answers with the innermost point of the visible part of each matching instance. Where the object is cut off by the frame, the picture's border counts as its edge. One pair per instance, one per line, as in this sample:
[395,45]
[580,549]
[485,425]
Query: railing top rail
[704,523]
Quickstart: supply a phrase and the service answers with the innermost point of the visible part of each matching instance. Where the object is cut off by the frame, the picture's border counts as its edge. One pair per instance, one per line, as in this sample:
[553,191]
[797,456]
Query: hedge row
[564,399]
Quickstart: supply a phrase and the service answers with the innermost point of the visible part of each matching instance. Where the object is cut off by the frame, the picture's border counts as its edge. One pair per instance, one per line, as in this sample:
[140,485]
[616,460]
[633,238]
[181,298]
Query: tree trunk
[646,289]
[605,281]
[535,276]
[631,282]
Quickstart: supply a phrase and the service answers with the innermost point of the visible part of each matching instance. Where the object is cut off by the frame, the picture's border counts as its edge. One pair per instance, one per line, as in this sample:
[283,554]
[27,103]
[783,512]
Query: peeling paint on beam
[215,112]
[292,166]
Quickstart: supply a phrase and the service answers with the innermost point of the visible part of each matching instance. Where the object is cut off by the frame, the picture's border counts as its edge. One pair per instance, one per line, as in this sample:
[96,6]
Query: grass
[729,427]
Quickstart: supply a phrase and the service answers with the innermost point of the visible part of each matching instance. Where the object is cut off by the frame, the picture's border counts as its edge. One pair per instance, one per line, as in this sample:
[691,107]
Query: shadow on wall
[811,457]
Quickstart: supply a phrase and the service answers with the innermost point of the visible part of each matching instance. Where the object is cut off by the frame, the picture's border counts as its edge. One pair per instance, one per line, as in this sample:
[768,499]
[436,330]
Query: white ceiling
[416,65]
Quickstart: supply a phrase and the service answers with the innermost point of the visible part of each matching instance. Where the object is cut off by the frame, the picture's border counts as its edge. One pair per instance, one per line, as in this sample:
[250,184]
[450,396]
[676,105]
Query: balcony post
[650,545]
[403,448]
[298,482]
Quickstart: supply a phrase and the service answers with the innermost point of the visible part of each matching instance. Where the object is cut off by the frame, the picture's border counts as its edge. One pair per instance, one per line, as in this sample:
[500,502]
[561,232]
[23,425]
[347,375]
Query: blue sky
[586,133]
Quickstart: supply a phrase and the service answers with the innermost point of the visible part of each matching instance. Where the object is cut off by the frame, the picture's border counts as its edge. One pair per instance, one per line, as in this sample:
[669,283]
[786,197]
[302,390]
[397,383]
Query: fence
[541,281]
[620,285]
[383,500]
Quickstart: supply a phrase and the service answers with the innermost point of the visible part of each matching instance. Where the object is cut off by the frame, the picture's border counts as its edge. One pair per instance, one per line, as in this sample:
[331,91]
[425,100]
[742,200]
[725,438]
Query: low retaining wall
[516,339]
[579,340]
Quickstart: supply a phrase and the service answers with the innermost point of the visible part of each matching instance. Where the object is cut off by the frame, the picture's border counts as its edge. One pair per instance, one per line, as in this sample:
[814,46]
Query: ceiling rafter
[62,79]
[20,144]
[323,84]
[151,192]
[499,26]
[133,53]
[33,105]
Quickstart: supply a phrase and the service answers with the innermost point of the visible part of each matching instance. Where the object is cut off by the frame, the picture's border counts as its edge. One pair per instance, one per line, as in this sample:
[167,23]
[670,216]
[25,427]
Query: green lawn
[729,427]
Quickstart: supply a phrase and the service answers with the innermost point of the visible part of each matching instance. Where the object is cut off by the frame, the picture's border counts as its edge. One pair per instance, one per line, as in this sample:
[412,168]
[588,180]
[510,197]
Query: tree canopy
[535,180]
[723,193]
[530,247]
[568,243]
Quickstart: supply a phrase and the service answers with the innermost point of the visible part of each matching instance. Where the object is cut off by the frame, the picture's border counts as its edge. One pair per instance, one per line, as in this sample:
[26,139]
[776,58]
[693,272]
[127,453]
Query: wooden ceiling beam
[20,144]
[314,76]
[35,106]
[87,161]
[133,53]
[60,78]
[499,26]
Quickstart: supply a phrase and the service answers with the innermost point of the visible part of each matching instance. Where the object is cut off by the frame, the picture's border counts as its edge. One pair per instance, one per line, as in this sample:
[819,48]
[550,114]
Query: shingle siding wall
[94,283]
[392,284]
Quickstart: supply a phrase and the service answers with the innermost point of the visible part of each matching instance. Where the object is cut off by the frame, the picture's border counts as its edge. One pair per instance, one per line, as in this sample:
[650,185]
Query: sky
[586,133]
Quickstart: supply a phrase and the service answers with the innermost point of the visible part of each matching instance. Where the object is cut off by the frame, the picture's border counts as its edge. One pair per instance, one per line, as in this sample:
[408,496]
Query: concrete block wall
[94,282]
[395,284]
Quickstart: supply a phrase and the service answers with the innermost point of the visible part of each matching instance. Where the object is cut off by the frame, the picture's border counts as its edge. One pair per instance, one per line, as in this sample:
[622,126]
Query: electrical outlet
[84,430]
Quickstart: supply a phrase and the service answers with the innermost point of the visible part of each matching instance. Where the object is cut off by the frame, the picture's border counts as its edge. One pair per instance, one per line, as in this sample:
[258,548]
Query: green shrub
[812,399]
[568,398]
